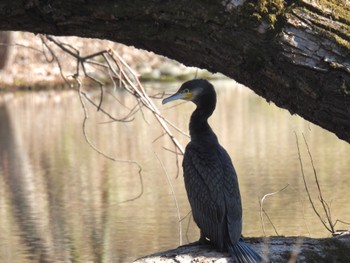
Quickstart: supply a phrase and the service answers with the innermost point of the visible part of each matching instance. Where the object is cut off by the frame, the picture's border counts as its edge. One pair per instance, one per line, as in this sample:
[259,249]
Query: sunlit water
[61,201]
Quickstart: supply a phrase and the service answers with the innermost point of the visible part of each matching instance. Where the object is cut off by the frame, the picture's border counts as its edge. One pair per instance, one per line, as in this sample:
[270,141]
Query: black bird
[210,178]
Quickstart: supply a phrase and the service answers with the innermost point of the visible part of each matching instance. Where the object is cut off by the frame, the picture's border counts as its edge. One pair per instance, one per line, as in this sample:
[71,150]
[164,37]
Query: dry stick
[174,196]
[86,116]
[146,102]
[188,225]
[137,90]
[144,98]
[121,81]
[144,117]
[307,189]
[272,224]
[56,59]
[176,158]
[105,112]
[149,103]
[80,60]
[44,45]
[323,202]
[261,209]
[118,100]
[160,136]
[21,45]
[99,83]
[177,164]
[189,215]
[340,232]
[121,73]
[174,126]
[158,95]
[112,71]
[113,119]
[325,205]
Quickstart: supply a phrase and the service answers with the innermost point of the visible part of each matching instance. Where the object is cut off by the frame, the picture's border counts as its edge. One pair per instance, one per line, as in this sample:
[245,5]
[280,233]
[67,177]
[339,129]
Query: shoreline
[28,65]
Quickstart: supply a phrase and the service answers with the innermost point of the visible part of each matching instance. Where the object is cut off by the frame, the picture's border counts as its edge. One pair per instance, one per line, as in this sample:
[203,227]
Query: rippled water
[61,201]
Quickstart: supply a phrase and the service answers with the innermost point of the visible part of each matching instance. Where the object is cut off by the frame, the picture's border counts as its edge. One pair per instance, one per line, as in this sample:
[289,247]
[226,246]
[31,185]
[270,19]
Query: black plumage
[210,178]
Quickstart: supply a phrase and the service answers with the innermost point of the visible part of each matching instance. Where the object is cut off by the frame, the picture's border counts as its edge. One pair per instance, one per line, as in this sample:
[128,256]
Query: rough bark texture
[276,249]
[294,53]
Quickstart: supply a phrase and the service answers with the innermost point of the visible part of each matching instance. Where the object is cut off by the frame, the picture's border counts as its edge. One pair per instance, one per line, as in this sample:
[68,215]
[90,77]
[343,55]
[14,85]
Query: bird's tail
[243,253]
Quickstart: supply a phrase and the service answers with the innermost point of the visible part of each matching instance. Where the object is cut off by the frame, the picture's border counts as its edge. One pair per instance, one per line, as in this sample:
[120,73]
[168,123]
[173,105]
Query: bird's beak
[176,96]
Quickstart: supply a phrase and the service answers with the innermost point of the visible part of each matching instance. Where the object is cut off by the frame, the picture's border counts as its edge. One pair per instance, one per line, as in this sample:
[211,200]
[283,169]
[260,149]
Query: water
[61,201]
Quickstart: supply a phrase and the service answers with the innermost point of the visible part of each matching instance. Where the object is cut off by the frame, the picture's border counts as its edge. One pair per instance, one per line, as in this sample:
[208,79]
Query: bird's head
[199,91]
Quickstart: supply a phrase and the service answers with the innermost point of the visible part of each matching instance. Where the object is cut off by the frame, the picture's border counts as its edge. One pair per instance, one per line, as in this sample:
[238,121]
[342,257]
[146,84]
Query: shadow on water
[35,210]
[23,197]
[62,202]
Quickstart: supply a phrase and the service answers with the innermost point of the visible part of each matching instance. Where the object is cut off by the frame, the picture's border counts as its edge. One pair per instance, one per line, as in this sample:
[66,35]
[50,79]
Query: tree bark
[294,53]
[276,249]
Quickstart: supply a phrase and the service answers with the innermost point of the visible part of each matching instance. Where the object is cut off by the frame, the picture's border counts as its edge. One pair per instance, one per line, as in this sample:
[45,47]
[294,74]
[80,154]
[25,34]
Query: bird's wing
[203,175]
[232,197]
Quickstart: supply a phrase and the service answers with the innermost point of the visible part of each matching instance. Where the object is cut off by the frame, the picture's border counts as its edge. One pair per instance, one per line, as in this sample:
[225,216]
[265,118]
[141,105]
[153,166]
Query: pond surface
[61,201]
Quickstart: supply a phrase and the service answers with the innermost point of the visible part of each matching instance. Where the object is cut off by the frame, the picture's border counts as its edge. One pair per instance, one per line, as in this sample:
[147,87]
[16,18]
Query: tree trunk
[276,249]
[5,49]
[294,53]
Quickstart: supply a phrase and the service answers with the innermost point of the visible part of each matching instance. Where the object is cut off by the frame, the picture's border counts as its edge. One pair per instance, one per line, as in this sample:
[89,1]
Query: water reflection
[60,201]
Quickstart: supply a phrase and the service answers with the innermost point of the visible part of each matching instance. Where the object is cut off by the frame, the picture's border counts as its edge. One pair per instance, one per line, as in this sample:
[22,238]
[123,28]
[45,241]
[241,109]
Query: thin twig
[125,119]
[116,69]
[322,201]
[86,116]
[341,221]
[148,103]
[307,189]
[272,224]
[54,57]
[174,197]
[261,202]
[189,215]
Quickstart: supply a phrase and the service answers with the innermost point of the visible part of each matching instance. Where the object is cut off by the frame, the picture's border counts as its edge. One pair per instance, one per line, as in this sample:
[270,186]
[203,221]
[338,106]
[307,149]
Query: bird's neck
[199,126]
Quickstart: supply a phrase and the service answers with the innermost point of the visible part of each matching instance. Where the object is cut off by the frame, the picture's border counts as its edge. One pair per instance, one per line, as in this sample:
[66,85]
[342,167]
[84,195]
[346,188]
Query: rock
[276,249]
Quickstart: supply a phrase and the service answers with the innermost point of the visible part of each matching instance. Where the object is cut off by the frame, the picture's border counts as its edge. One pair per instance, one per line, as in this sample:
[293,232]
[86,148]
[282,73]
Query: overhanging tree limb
[294,54]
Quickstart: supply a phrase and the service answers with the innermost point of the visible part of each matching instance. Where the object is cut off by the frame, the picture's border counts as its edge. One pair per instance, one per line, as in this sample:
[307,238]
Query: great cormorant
[210,178]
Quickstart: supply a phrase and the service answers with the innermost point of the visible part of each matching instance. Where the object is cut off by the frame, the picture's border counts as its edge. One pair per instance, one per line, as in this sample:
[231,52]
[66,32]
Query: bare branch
[120,75]
[261,202]
[86,116]
[307,189]
[125,119]
[174,197]
[322,201]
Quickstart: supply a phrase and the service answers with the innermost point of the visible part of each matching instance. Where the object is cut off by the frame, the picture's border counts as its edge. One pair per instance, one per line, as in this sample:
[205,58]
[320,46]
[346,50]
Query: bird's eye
[186,91]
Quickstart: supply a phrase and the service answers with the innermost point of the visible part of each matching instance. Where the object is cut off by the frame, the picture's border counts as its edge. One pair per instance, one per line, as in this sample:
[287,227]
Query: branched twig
[307,189]
[261,202]
[124,119]
[121,76]
[86,116]
[322,201]
[54,57]
[140,92]
[328,222]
